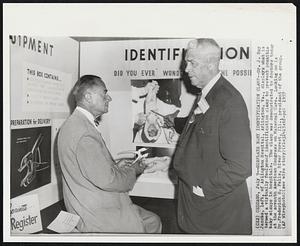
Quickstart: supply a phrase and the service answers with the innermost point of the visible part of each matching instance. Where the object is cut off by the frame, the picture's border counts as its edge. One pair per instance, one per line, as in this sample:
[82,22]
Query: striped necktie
[197,99]
[191,118]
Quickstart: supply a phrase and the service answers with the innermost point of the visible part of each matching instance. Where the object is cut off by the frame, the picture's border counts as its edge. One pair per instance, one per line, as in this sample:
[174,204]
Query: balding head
[206,48]
[91,94]
[202,58]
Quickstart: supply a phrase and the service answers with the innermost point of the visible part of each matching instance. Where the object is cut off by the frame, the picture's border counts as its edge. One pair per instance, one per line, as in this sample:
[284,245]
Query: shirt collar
[87,114]
[210,85]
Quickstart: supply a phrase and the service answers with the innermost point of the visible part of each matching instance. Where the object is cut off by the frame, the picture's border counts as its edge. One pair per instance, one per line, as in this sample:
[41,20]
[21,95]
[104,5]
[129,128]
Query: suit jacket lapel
[210,96]
[199,118]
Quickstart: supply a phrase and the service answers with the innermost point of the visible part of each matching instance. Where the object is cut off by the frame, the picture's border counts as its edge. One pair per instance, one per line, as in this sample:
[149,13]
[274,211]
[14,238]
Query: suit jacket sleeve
[235,149]
[98,167]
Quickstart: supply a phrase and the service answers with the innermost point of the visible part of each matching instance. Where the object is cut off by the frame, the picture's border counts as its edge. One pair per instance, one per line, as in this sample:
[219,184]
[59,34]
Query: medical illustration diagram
[32,163]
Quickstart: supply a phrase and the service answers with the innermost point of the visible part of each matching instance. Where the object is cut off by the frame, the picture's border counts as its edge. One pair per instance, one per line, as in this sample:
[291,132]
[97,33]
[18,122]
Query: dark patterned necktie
[191,117]
[199,95]
[195,105]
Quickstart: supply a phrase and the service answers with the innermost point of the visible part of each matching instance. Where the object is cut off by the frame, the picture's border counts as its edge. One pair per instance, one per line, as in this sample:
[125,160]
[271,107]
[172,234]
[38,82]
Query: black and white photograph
[182,134]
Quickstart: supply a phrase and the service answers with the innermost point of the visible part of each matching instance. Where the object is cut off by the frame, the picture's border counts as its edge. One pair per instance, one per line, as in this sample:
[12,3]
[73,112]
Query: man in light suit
[95,186]
[213,156]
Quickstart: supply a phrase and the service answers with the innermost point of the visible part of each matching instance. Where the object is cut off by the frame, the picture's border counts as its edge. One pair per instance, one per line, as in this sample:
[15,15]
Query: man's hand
[125,162]
[157,164]
[139,167]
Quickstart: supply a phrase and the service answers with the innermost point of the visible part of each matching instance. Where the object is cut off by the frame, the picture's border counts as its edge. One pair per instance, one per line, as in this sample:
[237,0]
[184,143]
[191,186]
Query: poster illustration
[154,102]
[30,159]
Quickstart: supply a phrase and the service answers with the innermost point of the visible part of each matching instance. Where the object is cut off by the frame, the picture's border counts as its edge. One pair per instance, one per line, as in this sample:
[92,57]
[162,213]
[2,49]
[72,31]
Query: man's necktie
[191,117]
[195,105]
[198,97]
[96,121]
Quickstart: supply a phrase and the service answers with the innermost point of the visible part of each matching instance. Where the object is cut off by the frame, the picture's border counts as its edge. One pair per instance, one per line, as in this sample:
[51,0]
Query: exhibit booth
[43,71]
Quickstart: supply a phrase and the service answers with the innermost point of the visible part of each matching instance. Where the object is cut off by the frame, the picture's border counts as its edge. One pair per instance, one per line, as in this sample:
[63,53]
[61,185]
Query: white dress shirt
[203,106]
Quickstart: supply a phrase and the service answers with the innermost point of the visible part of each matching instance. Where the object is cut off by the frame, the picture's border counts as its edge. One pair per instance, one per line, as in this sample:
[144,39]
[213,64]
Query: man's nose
[109,98]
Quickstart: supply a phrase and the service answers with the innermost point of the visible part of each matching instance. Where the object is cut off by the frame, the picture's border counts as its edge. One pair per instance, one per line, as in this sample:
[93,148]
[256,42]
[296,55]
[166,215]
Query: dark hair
[85,82]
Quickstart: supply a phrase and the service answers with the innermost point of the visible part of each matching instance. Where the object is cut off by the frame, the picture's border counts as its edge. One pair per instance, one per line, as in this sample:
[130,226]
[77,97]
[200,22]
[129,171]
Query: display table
[158,185]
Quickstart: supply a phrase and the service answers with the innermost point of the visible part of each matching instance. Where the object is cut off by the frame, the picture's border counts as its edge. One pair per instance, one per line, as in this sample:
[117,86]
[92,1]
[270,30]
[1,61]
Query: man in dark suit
[95,187]
[213,156]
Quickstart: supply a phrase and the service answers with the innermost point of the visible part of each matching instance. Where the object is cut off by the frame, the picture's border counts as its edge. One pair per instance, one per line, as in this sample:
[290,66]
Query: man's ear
[211,66]
[88,97]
